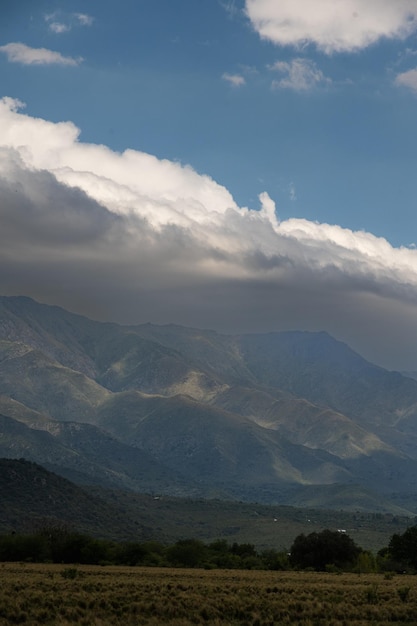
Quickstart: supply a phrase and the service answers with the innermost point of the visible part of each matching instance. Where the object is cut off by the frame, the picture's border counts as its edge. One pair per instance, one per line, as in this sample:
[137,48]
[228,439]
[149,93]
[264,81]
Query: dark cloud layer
[134,239]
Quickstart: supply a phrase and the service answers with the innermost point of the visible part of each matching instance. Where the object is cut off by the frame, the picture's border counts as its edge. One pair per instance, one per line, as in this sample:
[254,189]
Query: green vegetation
[319,550]
[56,545]
[401,553]
[325,551]
[32,497]
[82,580]
[265,526]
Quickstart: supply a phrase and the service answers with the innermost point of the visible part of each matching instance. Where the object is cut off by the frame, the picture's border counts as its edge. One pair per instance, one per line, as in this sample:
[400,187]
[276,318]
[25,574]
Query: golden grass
[123,596]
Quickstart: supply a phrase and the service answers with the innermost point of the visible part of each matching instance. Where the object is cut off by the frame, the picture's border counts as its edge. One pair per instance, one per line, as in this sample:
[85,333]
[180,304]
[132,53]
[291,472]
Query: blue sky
[240,104]
[342,151]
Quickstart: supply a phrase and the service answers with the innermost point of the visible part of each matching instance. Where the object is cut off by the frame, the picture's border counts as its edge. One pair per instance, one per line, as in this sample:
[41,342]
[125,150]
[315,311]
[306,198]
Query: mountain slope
[327,372]
[84,453]
[33,498]
[302,422]
[199,412]
[34,379]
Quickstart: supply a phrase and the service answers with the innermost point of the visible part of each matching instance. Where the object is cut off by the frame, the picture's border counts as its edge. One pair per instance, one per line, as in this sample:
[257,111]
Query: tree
[402,549]
[327,547]
[24,548]
[130,553]
[243,549]
[274,560]
[187,553]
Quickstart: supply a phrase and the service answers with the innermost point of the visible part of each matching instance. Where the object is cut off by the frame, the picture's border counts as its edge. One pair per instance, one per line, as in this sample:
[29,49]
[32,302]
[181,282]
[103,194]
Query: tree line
[321,551]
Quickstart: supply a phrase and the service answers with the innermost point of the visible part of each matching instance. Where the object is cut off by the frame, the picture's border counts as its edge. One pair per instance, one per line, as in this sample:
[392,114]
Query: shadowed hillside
[34,499]
[193,412]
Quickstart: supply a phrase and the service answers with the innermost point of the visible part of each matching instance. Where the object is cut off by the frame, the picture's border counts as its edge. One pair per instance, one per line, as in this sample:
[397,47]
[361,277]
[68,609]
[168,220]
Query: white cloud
[59,27]
[298,74]
[229,6]
[59,22]
[131,237]
[20,53]
[332,25]
[84,19]
[407,79]
[234,79]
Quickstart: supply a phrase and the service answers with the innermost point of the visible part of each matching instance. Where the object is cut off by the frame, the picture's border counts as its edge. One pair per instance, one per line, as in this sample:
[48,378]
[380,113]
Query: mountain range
[272,418]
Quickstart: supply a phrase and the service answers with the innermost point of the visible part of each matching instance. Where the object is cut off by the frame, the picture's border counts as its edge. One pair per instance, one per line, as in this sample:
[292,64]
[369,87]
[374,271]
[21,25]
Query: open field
[116,596]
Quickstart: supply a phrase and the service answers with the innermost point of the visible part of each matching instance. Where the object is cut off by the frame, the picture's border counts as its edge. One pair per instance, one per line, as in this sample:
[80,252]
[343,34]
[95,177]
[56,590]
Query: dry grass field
[122,596]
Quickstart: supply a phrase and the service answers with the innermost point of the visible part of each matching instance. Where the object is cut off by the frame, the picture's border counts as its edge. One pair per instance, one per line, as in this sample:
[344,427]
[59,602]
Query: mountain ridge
[241,416]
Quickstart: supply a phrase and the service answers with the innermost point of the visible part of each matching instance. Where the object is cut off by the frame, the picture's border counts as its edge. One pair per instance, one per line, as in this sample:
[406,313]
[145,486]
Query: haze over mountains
[274,418]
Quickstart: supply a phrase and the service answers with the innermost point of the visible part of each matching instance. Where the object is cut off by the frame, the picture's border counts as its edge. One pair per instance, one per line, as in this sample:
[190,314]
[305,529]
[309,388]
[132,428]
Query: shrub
[403,593]
[69,573]
[371,594]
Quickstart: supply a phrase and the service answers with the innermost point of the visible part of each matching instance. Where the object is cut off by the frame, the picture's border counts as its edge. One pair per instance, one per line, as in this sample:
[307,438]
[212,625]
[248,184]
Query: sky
[239,165]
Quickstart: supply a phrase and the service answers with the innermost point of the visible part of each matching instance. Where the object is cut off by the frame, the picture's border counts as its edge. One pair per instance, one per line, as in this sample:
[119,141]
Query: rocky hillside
[193,412]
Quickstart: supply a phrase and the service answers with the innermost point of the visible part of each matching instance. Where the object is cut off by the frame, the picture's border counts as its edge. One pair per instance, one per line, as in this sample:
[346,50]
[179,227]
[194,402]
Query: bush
[371,594]
[69,573]
[403,593]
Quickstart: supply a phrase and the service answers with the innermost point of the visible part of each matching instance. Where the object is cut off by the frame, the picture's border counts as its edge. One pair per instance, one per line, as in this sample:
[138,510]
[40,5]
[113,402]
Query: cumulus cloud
[333,26]
[407,79]
[20,53]
[298,74]
[130,237]
[236,80]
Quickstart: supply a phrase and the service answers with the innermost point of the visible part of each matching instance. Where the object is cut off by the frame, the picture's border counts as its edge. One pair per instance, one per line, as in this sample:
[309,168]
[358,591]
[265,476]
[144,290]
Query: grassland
[103,596]
[169,519]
